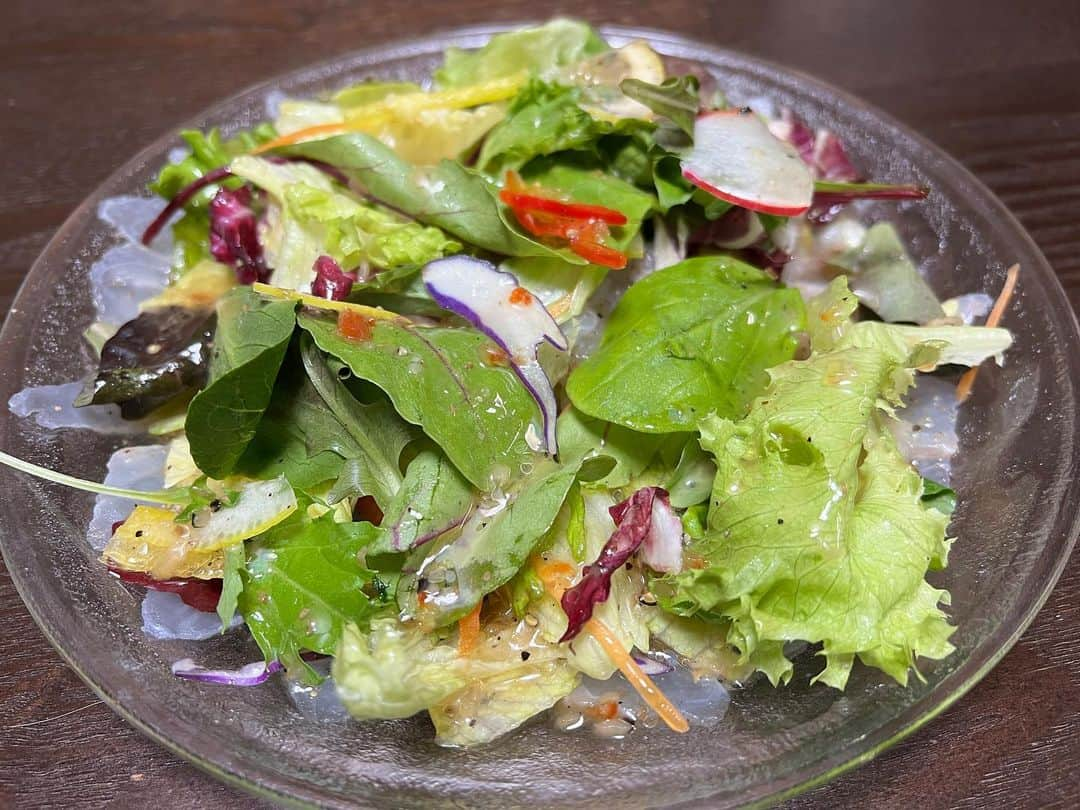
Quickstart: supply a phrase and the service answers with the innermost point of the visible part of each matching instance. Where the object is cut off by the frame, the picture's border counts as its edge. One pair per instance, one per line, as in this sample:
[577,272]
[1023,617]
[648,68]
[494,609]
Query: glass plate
[1016,523]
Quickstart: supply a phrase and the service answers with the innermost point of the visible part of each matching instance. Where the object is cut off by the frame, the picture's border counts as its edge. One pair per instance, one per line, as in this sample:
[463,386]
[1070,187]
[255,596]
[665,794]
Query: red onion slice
[251,674]
[494,302]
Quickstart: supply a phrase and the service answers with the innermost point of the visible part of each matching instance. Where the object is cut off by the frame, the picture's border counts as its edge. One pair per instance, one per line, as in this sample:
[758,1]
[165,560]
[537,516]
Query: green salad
[556,366]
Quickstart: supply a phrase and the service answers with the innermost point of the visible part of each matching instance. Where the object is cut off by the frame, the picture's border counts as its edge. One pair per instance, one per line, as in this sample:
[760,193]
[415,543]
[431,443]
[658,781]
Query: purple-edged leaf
[494,302]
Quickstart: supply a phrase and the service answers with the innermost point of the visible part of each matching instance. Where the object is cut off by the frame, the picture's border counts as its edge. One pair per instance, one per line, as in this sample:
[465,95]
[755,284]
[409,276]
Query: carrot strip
[307,133]
[469,631]
[556,580]
[967,382]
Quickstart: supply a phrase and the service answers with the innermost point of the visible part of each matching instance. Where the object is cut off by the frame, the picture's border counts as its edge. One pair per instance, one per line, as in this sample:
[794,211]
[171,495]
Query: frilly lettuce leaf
[396,670]
[884,278]
[817,530]
[313,218]
[541,50]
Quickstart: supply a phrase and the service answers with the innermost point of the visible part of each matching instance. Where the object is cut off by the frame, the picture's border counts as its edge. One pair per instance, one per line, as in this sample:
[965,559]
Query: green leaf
[584,184]
[303,583]
[249,346]
[675,99]
[232,584]
[689,340]
[613,456]
[434,499]
[490,548]
[541,50]
[446,195]
[316,218]
[884,278]
[543,119]
[938,496]
[477,413]
[369,435]
[692,480]
[368,91]
[575,528]
[843,561]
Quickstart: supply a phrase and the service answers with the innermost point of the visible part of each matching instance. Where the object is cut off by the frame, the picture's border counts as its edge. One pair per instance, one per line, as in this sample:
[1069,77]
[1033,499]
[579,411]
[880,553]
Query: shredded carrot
[644,685]
[305,134]
[967,382]
[469,631]
[556,579]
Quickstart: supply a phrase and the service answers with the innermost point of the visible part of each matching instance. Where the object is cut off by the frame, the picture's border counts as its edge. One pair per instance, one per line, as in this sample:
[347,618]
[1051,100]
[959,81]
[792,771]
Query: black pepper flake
[215,505]
[139,533]
[629,566]
[525,654]
[779,521]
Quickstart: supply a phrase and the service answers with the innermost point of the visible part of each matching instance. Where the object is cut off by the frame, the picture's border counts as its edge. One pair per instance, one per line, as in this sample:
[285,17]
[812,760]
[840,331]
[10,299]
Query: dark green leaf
[232,584]
[156,357]
[938,496]
[691,339]
[249,346]
[676,99]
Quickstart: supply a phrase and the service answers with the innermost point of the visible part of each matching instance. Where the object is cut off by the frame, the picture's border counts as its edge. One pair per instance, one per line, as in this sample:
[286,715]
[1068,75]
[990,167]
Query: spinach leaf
[676,99]
[437,378]
[433,499]
[446,195]
[303,582]
[249,346]
[152,359]
[689,340]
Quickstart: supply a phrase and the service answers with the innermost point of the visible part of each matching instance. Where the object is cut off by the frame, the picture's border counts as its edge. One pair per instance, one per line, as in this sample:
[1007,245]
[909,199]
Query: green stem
[178,497]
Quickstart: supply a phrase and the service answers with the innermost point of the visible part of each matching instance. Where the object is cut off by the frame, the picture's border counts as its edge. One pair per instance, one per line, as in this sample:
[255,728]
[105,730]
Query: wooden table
[83,85]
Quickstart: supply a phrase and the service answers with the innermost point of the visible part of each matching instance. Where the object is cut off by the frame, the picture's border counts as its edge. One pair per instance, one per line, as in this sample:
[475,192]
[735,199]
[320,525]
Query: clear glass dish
[1016,525]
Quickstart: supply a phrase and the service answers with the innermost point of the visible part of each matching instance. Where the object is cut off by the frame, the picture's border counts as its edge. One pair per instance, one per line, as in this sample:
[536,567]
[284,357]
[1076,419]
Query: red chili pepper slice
[547,205]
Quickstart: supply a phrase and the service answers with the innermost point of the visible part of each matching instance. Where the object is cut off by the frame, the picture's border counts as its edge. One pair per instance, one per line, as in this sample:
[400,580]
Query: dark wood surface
[84,84]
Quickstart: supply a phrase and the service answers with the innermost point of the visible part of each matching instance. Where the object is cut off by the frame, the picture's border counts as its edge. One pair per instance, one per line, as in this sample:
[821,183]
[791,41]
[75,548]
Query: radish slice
[516,319]
[736,158]
[251,674]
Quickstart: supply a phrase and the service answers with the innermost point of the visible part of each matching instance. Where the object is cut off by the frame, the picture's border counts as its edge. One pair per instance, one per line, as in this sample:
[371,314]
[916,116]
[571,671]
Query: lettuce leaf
[395,670]
[689,340]
[315,218]
[447,195]
[843,563]
[541,50]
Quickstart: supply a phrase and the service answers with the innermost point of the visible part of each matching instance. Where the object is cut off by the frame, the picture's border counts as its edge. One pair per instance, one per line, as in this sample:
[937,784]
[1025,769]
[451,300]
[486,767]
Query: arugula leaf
[844,563]
[676,99]
[232,584]
[249,346]
[446,195]
[691,339]
[302,584]
[151,360]
[492,546]
[437,378]
[541,50]
[884,278]
[433,499]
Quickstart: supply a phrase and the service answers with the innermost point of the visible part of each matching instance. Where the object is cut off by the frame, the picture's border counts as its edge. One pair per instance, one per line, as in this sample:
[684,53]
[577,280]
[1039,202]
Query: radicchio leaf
[633,518]
[331,281]
[151,359]
[234,237]
[201,594]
